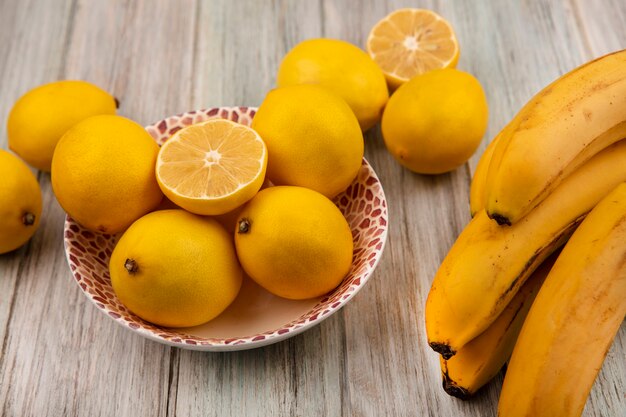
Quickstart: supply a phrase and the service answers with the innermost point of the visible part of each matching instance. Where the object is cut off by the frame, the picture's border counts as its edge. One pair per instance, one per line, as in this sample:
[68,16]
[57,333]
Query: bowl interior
[254,311]
[256,317]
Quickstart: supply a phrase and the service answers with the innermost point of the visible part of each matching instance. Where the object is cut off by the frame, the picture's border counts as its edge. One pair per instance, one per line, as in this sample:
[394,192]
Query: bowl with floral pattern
[256,318]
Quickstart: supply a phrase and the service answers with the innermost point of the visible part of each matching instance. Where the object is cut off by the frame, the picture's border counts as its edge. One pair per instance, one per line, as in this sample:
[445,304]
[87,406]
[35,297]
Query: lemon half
[212,167]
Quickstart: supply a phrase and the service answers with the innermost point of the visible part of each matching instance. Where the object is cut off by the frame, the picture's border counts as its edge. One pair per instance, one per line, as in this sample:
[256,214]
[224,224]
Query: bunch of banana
[488,263]
[573,320]
[481,359]
[535,183]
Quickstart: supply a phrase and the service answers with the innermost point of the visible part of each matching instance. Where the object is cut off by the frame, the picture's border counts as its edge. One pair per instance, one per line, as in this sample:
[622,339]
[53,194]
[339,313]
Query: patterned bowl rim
[244,342]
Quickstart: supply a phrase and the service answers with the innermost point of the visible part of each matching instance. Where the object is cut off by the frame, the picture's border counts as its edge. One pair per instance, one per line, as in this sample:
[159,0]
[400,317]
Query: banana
[488,263]
[479,184]
[573,320]
[479,179]
[481,359]
[564,125]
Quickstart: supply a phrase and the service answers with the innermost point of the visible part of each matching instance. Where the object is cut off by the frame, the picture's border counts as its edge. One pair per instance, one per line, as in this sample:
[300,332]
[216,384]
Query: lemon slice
[212,167]
[409,42]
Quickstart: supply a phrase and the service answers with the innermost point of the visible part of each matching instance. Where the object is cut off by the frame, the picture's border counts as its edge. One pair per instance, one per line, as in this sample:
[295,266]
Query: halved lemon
[212,167]
[410,42]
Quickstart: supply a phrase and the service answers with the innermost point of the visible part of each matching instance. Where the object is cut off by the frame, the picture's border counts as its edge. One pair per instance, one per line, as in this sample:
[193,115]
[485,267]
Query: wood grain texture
[60,356]
[29,273]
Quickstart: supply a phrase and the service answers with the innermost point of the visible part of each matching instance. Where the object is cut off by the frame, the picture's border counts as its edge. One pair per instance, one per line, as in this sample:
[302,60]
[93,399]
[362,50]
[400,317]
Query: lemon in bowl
[175,269]
[256,317]
[313,138]
[212,168]
[103,173]
[294,242]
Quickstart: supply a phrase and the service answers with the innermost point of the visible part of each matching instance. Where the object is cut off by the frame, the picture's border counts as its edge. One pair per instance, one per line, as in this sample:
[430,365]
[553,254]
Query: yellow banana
[564,125]
[573,320]
[488,263]
[479,184]
[479,179]
[481,359]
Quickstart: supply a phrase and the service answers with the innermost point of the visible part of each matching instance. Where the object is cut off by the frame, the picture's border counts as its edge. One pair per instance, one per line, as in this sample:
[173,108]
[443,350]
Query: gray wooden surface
[62,357]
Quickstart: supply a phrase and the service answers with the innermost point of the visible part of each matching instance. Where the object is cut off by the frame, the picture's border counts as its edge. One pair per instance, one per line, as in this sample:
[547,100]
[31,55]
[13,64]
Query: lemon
[342,68]
[20,202]
[434,123]
[103,173]
[41,116]
[409,42]
[175,269]
[213,167]
[294,242]
[312,137]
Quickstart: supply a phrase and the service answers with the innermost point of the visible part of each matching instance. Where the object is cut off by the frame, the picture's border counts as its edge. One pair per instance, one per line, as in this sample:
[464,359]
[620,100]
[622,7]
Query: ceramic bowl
[256,318]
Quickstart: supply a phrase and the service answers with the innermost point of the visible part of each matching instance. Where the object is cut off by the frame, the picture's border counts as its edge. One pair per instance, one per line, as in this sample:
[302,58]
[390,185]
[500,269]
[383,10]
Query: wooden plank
[299,377]
[61,355]
[238,50]
[27,61]
[603,24]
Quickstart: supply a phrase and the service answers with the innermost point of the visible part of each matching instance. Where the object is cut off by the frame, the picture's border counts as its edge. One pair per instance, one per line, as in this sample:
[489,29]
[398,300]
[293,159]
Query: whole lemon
[41,116]
[313,139]
[103,173]
[294,242]
[342,68]
[175,269]
[434,123]
[20,202]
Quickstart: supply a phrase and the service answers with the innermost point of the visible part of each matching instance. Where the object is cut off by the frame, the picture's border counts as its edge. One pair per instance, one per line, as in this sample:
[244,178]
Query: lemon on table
[435,122]
[212,167]
[175,269]
[294,242]
[342,68]
[41,116]
[313,138]
[103,173]
[20,202]
[409,42]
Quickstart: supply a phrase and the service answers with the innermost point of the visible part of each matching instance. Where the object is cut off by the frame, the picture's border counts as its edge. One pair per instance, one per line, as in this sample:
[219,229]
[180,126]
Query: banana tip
[454,390]
[444,350]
